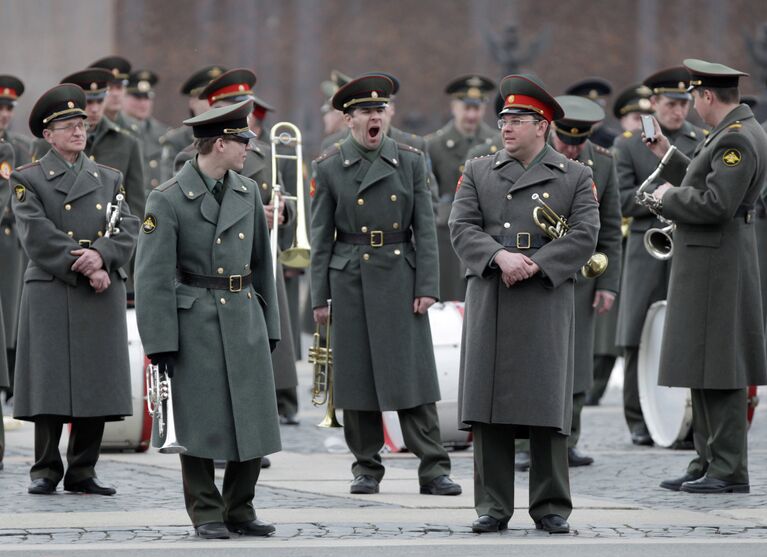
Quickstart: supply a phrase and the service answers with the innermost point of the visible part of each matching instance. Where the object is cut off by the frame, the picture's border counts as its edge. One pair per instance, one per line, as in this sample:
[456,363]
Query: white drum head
[667,410]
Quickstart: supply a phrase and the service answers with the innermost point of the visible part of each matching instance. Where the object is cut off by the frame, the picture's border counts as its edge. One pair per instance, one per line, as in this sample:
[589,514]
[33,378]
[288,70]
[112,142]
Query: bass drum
[132,433]
[446,320]
[667,410]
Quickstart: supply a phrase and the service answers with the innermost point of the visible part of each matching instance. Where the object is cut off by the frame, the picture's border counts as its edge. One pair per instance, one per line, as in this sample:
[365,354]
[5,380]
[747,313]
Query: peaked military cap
[392,78]
[526,94]
[711,74]
[372,91]
[633,99]
[580,116]
[260,107]
[118,66]
[233,86]
[471,89]
[11,89]
[672,82]
[200,79]
[229,120]
[336,81]
[141,83]
[593,88]
[63,102]
[93,81]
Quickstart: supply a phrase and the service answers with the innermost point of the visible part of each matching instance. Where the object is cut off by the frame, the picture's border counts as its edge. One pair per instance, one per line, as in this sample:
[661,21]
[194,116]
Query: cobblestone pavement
[621,473]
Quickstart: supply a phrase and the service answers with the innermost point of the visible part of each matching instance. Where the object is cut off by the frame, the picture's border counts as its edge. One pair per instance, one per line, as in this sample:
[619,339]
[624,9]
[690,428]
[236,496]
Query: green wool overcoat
[72,349]
[518,343]
[223,388]
[383,356]
[714,332]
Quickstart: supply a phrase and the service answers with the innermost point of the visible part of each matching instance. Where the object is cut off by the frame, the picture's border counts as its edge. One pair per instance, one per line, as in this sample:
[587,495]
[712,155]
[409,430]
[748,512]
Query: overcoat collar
[737,114]
[511,170]
[234,205]
[87,180]
[386,164]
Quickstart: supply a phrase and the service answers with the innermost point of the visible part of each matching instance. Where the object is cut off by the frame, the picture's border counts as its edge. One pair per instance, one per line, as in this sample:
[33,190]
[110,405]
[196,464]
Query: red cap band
[229,91]
[530,103]
[8,92]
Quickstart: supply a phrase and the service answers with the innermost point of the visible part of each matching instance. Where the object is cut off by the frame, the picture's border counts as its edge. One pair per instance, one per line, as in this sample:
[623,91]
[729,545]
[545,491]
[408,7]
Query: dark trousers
[632,409]
[363,431]
[494,472]
[82,452]
[287,402]
[204,502]
[603,368]
[720,429]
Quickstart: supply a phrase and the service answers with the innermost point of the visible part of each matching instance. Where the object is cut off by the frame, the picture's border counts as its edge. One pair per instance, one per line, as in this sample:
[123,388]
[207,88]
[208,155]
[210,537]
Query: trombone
[658,242]
[298,254]
[321,357]
[555,226]
[158,391]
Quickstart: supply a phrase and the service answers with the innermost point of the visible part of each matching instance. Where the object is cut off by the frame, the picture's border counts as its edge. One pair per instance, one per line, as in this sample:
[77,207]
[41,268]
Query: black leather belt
[522,240]
[746,212]
[374,238]
[232,283]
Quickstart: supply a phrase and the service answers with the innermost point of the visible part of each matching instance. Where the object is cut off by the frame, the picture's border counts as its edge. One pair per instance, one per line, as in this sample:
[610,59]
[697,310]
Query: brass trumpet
[298,254]
[321,357]
[158,391]
[555,226]
[658,242]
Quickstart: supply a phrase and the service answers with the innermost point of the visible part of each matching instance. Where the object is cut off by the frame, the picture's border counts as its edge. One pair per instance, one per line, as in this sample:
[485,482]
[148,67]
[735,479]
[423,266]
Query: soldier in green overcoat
[72,356]
[11,254]
[207,312]
[448,149]
[516,365]
[713,339]
[645,278]
[374,255]
[120,70]
[138,105]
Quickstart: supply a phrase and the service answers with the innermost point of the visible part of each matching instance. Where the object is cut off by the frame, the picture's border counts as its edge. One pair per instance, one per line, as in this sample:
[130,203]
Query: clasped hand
[90,264]
[515,267]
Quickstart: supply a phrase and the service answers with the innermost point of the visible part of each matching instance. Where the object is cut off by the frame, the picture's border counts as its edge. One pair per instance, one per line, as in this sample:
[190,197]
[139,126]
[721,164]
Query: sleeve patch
[21,192]
[5,170]
[458,185]
[150,224]
[594,191]
[731,157]
[312,187]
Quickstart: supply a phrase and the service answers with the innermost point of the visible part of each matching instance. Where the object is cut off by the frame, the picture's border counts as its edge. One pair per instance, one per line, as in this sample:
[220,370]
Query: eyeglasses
[70,128]
[514,122]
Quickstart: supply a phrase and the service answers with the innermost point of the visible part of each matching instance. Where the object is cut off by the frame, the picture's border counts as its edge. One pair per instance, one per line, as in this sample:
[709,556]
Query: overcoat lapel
[235,204]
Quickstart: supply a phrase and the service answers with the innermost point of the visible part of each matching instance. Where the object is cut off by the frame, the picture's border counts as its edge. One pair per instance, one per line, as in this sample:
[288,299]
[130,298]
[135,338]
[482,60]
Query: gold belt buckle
[376,238]
[526,237]
[84,243]
[232,279]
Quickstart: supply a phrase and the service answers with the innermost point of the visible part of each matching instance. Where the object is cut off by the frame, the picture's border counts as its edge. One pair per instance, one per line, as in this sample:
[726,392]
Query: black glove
[166,361]
[272,344]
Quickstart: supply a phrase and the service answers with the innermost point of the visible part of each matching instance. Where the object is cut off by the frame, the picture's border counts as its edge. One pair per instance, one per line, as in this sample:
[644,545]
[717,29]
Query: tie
[218,191]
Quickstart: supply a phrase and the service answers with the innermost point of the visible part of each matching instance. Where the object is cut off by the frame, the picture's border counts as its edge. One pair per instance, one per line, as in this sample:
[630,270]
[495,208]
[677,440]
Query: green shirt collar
[76,167]
[368,154]
[207,180]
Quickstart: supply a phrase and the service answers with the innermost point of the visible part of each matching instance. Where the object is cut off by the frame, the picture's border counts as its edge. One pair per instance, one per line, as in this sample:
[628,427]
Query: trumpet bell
[659,243]
[595,266]
[330,420]
[296,257]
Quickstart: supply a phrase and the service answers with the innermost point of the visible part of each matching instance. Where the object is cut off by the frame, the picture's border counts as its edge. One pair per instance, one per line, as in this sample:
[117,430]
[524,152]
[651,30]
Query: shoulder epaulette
[627,133]
[112,168]
[601,150]
[330,151]
[483,156]
[165,186]
[706,132]
[735,126]
[407,147]
[28,165]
